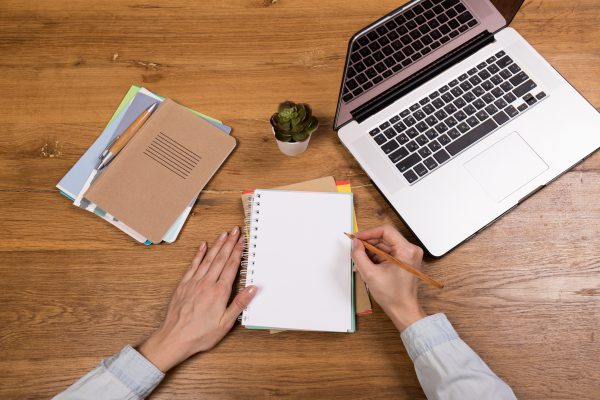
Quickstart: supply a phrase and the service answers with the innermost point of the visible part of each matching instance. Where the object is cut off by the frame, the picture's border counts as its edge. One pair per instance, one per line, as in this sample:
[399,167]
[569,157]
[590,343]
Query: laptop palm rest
[506,166]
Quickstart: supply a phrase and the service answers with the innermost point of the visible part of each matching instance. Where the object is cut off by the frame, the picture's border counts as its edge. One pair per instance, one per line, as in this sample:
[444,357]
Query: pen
[115,147]
[399,263]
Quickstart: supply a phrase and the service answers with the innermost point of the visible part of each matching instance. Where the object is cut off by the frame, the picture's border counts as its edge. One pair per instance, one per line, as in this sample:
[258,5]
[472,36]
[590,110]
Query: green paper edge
[133,90]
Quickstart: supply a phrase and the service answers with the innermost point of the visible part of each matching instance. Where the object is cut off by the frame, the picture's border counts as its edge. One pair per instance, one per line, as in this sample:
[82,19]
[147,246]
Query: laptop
[456,118]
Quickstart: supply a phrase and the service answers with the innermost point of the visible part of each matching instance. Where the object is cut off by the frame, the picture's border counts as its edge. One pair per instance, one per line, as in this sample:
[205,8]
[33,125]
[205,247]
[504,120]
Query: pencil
[399,263]
[114,148]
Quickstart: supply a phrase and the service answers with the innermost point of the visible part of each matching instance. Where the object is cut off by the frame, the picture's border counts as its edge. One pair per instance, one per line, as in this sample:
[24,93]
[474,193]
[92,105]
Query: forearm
[125,376]
[447,367]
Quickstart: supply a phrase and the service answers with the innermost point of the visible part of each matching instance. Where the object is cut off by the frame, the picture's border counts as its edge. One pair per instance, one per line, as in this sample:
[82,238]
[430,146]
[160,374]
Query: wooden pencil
[399,263]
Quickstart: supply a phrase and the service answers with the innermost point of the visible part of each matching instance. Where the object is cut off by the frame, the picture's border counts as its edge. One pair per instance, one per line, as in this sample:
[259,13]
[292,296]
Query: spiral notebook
[297,246]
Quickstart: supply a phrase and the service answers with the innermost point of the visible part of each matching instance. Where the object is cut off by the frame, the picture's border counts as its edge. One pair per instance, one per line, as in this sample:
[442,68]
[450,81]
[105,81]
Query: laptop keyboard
[403,40]
[466,109]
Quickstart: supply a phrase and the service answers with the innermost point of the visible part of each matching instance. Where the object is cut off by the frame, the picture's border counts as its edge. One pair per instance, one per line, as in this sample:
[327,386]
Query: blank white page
[300,260]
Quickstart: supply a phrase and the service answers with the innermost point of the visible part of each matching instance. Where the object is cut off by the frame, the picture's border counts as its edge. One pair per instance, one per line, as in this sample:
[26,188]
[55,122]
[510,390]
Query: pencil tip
[351,236]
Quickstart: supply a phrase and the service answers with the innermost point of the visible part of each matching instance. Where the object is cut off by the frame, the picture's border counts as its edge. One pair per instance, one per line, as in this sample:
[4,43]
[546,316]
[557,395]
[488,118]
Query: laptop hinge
[386,98]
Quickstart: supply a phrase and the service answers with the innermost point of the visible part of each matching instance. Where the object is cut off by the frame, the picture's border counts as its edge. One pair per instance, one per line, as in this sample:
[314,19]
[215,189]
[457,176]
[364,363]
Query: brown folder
[170,159]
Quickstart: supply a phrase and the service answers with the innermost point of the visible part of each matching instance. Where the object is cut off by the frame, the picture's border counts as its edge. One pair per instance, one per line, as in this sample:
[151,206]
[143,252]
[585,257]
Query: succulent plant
[293,122]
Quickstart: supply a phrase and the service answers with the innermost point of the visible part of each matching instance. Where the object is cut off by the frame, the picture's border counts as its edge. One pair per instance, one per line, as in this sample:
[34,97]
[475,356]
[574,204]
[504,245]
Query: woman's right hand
[393,288]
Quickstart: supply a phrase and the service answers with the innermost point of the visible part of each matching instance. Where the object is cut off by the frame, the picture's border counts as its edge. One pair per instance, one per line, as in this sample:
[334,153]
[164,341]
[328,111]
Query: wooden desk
[525,293]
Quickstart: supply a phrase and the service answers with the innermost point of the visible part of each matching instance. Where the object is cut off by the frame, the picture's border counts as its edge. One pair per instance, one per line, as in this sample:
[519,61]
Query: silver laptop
[456,118]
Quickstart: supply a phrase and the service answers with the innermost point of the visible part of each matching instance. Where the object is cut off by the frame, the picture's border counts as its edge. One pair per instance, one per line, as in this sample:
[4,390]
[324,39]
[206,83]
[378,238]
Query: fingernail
[251,290]
[202,246]
[222,235]
[241,239]
[235,230]
[355,242]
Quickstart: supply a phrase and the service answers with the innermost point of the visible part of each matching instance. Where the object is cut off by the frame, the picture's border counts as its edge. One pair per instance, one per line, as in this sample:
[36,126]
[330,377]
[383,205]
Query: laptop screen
[508,8]
[406,41]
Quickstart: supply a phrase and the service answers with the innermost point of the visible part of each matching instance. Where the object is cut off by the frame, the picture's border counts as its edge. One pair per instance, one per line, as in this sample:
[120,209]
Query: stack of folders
[362,303]
[300,260]
[149,188]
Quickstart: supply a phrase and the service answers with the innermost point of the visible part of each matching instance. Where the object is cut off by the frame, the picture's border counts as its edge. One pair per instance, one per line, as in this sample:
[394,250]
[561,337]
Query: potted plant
[293,124]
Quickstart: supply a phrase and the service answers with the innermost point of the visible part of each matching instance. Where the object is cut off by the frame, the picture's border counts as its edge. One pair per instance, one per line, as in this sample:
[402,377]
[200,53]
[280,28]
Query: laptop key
[460,116]
[509,97]
[400,127]
[409,121]
[511,111]
[380,139]
[412,146]
[524,88]
[529,99]
[422,126]
[479,104]
[473,121]
[453,133]
[390,133]
[522,107]
[501,118]
[434,145]
[471,137]
[410,176]
[431,120]
[398,155]
[540,95]
[394,119]
[450,109]
[491,109]
[470,109]
[440,114]
[420,169]
[390,146]
[431,134]
[447,97]
[428,109]
[404,114]
[450,122]
[463,127]
[444,140]
[460,102]
[504,62]
[430,163]
[514,68]
[408,162]
[402,138]
[424,152]
[441,156]
[422,140]
[412,133]
[518,79]
[500,103]
[374,132]
[441,128]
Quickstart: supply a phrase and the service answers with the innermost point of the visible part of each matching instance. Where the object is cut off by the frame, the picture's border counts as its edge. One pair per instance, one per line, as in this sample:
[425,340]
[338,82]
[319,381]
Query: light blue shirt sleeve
[447,367]
[125,376]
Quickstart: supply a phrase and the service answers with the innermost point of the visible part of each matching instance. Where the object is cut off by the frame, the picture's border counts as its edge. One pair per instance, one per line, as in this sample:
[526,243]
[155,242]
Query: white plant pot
[292,148]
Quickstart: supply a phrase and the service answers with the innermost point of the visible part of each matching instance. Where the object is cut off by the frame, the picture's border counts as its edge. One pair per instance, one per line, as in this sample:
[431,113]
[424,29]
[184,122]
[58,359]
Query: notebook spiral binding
[247,265]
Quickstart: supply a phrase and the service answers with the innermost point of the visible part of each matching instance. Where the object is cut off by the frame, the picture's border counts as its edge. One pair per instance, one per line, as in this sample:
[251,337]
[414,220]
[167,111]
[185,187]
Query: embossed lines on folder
[172,155]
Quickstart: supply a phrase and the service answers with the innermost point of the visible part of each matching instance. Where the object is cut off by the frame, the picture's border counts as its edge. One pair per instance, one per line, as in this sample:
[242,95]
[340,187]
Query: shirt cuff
[134,370]
[427,333]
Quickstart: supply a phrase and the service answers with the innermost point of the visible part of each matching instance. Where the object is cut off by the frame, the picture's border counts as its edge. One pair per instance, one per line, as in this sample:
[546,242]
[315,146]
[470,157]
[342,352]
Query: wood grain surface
[525,293]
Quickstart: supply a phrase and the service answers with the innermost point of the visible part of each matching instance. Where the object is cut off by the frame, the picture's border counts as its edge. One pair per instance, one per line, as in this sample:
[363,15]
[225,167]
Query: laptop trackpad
[506,166]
